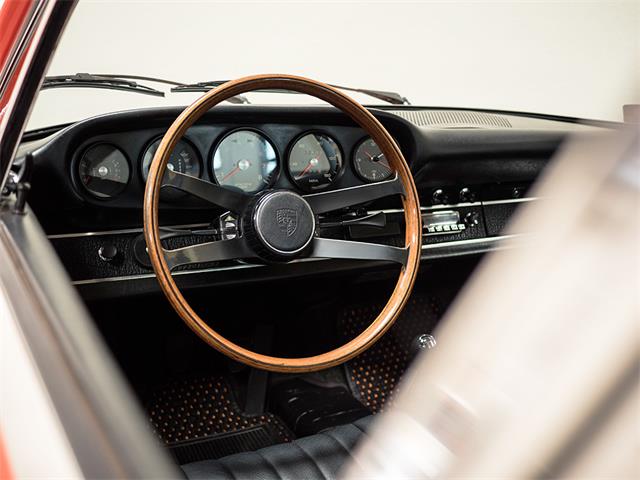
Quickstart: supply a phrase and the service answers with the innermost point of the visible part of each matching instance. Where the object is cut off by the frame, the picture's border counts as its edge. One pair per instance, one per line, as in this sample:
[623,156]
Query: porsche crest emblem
[287,220]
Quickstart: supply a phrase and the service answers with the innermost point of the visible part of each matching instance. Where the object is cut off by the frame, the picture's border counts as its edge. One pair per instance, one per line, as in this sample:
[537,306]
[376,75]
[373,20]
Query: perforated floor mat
[202,407]
[374,374]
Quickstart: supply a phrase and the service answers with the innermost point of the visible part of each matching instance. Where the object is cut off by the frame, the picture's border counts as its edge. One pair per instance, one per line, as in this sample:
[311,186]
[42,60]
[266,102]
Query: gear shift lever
[422,342]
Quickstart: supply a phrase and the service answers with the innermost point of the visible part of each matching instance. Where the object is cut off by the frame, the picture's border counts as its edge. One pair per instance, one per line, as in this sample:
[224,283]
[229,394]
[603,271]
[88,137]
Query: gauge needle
[231,173]
[306,169]
[384,165]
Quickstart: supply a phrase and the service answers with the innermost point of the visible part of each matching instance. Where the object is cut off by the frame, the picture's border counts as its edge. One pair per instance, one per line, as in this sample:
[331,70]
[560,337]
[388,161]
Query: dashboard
[472,170]
[246,159]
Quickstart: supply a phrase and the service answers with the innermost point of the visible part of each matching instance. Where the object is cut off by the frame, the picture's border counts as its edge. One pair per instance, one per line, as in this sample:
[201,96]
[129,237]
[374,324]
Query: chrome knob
[467,195]
[439,196]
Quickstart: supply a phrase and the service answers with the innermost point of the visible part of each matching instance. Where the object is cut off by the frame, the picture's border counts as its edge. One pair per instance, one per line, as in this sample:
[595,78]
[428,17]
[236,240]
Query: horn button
[281,226]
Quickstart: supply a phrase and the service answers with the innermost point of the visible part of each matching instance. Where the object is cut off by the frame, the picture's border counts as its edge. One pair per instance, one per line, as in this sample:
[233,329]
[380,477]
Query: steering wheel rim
[410,201]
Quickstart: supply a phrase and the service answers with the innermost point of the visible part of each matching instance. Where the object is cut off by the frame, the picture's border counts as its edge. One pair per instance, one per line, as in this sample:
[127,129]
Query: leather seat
[318,456]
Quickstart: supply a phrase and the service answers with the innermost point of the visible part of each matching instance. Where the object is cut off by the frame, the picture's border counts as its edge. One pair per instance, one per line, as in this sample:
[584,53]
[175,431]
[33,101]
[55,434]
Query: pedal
[308,409]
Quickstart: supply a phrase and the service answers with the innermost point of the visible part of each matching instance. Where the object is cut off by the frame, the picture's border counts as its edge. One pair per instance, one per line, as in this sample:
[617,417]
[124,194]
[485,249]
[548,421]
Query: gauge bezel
[358,175]
[82,188]
[159,137]
[339,173]
[220,139]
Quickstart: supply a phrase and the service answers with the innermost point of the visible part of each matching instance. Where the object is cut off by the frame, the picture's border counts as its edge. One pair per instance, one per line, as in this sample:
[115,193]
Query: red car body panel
[14,16]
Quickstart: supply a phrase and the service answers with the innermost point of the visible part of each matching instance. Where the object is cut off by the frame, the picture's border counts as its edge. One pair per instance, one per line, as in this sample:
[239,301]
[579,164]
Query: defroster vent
[453,119]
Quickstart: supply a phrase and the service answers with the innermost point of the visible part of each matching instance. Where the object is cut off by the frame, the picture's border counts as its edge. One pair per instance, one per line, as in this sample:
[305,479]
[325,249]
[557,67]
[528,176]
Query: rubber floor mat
[223,444]
[374,374]
[203,407]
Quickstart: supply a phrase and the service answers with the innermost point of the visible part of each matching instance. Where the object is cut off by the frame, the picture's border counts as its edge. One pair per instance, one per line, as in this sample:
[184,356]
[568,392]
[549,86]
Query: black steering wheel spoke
[216,251]
[347,249]
[323,202]
[212,193]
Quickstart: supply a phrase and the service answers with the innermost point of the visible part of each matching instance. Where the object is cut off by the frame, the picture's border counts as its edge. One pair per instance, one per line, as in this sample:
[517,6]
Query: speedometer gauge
[315,161]
[370,163]
[245,160]
[103,170]
[184,159]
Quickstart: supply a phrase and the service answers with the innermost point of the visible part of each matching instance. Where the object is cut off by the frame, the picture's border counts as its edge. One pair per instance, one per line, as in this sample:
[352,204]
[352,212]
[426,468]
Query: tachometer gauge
[245,160]
[184,159]
[370,163]
[103,170]
[315,161]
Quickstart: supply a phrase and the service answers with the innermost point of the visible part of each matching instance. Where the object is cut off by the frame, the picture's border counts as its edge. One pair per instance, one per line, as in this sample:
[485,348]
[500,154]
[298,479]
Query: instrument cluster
[245,159]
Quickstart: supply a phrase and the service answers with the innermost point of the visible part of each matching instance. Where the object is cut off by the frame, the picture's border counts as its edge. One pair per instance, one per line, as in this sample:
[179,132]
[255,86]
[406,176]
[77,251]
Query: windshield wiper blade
[87,80]
[116,81]
[389,97]
[239,99]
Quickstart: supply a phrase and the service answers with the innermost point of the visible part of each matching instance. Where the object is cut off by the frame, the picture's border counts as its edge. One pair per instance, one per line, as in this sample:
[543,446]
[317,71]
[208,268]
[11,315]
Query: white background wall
[579,58]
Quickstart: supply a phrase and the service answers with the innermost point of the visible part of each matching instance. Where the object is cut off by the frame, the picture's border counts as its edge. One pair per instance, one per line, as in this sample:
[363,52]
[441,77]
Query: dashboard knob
[439,196]
[108,253]
[467,195]
[472,219]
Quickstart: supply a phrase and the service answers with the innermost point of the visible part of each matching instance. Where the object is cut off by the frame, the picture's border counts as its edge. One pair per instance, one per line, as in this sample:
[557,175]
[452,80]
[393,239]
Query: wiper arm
[239,99]
[114,81]
[389,97]
[87,80]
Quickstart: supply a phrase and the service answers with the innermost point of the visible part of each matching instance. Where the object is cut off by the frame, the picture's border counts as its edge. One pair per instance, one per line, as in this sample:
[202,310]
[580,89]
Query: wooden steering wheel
[280,225]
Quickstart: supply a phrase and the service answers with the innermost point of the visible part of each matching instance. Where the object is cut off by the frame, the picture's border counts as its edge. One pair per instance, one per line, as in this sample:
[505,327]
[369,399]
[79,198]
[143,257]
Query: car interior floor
[202,405]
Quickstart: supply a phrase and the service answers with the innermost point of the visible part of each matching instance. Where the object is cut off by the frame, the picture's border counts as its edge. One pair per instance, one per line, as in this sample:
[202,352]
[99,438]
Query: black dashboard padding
[82,261]
[318,456]
[473,156]
[497,217]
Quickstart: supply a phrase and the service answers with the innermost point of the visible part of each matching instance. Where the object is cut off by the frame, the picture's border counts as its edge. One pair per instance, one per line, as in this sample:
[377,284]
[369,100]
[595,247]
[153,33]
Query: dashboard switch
[108,253]
[467,195]
[439,196]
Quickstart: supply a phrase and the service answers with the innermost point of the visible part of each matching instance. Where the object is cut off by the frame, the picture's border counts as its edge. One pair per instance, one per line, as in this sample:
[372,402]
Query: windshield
[567,58]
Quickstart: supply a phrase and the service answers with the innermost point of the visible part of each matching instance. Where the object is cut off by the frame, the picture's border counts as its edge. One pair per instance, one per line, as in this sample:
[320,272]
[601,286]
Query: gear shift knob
[422,342]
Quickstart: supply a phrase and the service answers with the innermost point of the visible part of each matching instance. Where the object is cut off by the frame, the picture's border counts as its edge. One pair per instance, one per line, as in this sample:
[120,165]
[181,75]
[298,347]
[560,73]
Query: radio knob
[467,195]
[439,196]
[472,219]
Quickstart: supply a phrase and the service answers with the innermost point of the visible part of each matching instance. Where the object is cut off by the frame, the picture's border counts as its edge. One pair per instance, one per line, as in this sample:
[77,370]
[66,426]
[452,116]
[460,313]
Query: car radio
[442,221]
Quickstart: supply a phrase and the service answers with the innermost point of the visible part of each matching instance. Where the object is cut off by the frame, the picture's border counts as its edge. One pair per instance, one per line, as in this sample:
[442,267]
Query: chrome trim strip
[452,205]
[455,243]
[371,212]
[433,246]
[184,272]
[511,200]
[122,231]
[426,209]
[460,205]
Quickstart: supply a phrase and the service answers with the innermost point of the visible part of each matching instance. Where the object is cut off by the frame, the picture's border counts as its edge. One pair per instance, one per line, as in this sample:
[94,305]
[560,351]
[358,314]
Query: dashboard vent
[453,119]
